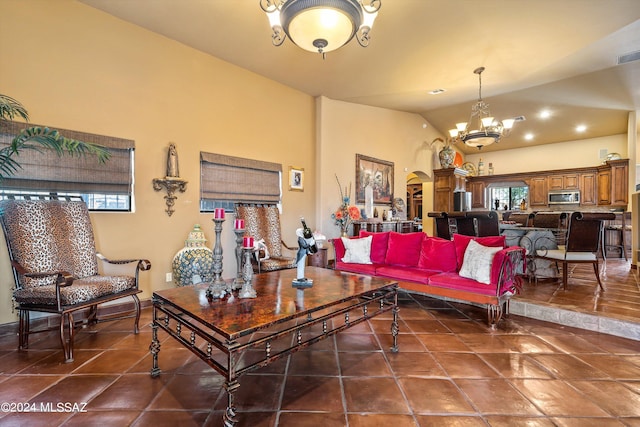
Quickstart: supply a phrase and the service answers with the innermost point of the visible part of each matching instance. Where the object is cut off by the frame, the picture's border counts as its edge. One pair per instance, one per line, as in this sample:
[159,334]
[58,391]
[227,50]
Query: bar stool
[619,230]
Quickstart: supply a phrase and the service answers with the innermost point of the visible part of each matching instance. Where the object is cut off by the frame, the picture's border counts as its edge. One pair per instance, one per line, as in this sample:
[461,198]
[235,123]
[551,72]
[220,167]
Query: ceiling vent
[519,119]
[629,57]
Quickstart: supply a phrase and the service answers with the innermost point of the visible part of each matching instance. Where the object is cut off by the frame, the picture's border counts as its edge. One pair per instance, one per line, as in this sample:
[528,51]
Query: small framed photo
[296,179]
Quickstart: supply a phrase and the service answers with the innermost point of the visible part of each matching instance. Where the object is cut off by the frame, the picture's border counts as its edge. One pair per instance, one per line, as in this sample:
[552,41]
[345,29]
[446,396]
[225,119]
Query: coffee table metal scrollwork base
[238,336]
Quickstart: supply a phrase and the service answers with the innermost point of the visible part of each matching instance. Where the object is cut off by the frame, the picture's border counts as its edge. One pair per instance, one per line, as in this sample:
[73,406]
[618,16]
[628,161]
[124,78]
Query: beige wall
[346,129]
[75,67]
[561,155]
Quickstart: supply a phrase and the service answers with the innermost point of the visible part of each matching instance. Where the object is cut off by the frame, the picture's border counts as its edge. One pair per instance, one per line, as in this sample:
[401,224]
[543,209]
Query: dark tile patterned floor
[452,370]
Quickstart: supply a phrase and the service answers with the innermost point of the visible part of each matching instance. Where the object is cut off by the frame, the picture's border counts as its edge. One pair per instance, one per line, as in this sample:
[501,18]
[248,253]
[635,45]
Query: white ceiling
[555,54]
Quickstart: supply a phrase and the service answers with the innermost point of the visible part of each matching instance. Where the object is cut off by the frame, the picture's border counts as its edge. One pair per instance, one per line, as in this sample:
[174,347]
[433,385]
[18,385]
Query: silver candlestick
[238,281]
[218,287]
[247,290]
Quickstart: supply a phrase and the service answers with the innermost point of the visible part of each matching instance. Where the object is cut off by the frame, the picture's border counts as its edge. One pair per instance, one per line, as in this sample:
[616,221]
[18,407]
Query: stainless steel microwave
[564,197]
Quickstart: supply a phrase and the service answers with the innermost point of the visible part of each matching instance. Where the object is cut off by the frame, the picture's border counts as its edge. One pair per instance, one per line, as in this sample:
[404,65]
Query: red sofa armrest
[338,248]
[506,269]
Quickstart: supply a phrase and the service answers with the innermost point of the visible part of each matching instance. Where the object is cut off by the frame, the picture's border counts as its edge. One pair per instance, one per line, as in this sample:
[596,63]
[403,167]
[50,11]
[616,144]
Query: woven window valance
[46,171]
[238,179]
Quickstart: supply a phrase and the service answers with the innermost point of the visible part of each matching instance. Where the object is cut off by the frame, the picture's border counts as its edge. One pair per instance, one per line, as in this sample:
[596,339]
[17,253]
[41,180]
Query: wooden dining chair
[522,218]
[486,223]
[582,243]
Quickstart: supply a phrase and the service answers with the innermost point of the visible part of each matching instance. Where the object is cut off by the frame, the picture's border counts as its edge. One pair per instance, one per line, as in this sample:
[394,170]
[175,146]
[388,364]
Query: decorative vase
[193,263]
[446,155]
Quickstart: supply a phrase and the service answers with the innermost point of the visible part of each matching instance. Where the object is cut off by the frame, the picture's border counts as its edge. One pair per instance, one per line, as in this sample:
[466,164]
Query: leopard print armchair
[55,265]
[262,222]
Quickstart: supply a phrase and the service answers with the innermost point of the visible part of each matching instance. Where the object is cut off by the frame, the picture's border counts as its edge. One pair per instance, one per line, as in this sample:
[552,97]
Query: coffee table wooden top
[278,301]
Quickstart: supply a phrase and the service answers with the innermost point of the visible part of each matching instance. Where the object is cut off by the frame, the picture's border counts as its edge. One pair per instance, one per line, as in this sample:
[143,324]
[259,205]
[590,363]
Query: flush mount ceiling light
[482,129]
[321,25]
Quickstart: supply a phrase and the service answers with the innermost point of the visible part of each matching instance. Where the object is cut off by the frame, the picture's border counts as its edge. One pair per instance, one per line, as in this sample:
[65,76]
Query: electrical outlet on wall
[169,277]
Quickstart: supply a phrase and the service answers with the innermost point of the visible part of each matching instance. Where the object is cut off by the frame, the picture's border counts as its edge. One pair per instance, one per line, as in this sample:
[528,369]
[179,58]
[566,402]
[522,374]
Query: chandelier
[482,129]
[320,25]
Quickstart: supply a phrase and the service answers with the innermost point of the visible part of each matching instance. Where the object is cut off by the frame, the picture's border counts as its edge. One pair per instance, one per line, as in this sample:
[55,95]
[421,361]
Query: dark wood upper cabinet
[603,185]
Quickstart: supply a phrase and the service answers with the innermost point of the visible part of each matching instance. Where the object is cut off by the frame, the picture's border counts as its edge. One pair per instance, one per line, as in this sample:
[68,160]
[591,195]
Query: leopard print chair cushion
[277,263]
[82,290]
[263,223]
[50,235]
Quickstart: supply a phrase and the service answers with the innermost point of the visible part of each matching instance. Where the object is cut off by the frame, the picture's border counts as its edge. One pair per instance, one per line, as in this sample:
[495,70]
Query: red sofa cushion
[461,242]
[454,281]
[368,269]
[411,274]
[437,254]
[378,245]
[404,249]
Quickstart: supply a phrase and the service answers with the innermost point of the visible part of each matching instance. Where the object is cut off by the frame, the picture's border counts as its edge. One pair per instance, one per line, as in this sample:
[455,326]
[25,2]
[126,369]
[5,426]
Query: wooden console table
[404,226]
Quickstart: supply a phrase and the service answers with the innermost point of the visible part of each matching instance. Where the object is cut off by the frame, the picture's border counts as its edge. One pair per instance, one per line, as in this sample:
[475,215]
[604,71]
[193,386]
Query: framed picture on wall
[296,179]
[377,173]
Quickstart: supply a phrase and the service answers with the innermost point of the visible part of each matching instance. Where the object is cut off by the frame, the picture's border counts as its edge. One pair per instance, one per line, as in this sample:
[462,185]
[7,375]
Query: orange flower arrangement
[346,213]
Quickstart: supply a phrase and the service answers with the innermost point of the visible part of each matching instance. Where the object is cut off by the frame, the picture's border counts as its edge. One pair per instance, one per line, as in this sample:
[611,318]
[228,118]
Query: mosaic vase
[193,263]
[446,155]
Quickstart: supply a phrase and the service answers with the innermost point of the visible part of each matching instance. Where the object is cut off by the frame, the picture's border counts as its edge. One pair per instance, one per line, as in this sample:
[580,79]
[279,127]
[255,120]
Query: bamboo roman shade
[235,179]
[46,171]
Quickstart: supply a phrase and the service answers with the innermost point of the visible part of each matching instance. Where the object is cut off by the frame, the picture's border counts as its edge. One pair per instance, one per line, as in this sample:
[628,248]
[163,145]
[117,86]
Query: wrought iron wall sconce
[171,182]
[171,185]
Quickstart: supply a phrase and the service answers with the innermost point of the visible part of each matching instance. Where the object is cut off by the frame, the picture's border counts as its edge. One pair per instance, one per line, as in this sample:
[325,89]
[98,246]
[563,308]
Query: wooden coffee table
[240,335]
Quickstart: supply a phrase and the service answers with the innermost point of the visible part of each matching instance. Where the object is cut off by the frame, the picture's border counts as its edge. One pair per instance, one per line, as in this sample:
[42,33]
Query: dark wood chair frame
[67,325]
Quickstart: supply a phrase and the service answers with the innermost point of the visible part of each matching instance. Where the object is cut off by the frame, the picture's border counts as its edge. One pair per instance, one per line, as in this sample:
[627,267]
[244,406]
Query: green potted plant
[38,138]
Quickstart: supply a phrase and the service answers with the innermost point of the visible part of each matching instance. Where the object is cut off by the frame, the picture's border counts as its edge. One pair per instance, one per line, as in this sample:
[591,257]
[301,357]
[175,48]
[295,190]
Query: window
[107,187]
[226,180]
[508,196]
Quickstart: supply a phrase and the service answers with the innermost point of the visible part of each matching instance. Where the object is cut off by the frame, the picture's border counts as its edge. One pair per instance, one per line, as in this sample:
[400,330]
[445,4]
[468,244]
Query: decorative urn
[193,263]
[447,155]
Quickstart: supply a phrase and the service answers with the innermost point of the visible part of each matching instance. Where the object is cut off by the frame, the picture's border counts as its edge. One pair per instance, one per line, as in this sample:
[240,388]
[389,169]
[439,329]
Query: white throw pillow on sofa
[357,251]
[477,262]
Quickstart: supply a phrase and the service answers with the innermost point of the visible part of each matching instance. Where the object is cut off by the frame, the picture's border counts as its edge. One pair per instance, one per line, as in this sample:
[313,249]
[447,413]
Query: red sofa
[432,266]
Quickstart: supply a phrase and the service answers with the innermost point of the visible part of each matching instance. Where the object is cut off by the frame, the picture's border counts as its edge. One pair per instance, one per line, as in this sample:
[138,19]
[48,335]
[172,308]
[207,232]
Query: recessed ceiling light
[528,136]
[545,114]
[581,128]
[436,91]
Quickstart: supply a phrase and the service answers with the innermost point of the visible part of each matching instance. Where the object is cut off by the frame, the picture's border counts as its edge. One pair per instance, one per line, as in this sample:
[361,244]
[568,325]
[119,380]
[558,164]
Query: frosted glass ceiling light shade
[320,25]
[481,129]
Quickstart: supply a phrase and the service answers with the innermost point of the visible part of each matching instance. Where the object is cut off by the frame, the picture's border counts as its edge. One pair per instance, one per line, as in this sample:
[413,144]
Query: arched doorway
[418,201]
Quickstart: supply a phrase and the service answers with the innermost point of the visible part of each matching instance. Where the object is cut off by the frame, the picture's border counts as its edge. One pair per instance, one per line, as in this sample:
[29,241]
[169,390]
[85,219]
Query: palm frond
[10,108]
[52,140]
[40,139]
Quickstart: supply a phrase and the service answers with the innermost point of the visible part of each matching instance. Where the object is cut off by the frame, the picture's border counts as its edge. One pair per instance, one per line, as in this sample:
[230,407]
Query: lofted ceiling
[539,54]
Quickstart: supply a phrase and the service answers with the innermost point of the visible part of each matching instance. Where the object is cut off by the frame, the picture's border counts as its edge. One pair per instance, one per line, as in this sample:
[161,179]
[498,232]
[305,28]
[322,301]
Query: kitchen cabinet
[445,182]
[604,186]
[588,185]
[478,196]
[538,191]
[619,182]
[564,182]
